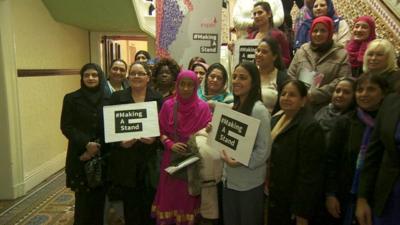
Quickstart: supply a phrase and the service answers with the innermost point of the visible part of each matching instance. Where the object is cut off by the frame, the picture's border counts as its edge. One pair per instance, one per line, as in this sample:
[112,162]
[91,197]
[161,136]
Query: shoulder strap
[176,136]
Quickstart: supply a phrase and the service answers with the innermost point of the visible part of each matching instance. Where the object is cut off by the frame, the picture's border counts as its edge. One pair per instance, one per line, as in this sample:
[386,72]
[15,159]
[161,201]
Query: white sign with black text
[233,131]
[127,121]
[245,50]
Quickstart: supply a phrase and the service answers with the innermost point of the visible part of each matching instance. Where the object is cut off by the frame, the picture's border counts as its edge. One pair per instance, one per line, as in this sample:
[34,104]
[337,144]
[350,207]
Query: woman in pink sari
[179,117]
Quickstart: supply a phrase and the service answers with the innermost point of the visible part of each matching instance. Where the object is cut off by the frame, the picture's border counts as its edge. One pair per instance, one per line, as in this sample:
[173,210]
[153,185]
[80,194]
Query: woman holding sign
[128,160]
[243,192]
[296,159]
[80,124]
[180,117]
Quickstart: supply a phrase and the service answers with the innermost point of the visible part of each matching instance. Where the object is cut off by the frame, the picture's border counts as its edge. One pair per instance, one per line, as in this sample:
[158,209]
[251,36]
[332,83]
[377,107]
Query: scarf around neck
[369,123]
[192,113]
[355,48]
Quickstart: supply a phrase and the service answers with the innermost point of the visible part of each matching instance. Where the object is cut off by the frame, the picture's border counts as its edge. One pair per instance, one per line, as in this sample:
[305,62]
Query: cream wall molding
[11,151]
[41,173]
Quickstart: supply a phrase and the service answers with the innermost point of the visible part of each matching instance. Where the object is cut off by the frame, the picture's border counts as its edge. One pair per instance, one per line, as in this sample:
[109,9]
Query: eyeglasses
[139,74]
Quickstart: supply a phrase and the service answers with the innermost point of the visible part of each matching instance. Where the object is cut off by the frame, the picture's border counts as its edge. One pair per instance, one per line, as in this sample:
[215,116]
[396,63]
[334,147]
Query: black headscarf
[93,95]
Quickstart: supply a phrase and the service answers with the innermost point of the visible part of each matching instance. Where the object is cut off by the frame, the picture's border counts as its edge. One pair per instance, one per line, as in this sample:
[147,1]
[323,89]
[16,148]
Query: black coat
[80,123]
[342,154]
[127,167]
[382,161]
[393,79]
[296,161]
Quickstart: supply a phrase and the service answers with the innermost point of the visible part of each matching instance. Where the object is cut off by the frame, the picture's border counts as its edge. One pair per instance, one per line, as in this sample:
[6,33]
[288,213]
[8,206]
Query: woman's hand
[128,143]
[179,147]
[208,128]
[363,212]
[148,141]
[92,148]
[211,105]
[301,221]
[230,161]
[333,206]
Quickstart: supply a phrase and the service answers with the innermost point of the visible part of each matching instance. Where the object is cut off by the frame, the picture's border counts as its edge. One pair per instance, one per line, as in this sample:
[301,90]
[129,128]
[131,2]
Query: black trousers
[243,207]
[137,205]
[89,207]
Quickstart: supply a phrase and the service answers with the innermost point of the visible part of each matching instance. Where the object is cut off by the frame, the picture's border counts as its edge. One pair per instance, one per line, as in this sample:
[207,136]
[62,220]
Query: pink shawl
[356,49]
[193,113]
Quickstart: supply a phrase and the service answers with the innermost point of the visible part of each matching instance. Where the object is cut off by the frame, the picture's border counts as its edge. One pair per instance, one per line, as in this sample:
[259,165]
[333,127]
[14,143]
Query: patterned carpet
[50,203]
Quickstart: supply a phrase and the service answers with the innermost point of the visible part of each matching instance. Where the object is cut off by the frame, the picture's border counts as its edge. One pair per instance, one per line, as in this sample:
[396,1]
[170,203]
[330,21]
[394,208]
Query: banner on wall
[188,28]
[127,121]
[234,132]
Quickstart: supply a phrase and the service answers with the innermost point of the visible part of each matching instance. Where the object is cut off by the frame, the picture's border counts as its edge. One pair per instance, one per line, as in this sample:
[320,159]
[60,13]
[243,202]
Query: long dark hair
[255,91]
[219,67]
[352,82]
[267,8]
[276,51]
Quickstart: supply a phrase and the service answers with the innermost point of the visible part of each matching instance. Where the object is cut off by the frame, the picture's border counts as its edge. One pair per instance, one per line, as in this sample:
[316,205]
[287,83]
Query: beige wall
[151,46]
[42,43]
[10,161]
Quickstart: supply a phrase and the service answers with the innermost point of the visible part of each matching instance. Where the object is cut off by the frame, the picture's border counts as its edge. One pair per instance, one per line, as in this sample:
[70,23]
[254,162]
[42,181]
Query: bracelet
[165,140]
[168,143]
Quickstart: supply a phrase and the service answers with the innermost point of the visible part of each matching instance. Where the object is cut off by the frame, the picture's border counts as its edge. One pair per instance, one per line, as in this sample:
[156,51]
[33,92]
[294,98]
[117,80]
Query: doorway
[121,47]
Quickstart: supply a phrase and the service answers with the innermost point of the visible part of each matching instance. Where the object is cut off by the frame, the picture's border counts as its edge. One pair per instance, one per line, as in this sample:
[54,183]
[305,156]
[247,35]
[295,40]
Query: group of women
[126,168]
[330,154]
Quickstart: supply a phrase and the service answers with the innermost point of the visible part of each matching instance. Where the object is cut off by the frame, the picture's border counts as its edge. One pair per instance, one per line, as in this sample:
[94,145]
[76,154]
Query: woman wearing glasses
[127,162]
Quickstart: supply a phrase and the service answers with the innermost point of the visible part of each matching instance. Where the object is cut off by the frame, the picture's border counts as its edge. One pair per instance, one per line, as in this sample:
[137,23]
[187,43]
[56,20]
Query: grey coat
[333,64]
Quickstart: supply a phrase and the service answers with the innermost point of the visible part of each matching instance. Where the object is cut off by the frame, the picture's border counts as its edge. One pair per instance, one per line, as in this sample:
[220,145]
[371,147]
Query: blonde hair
[388,50]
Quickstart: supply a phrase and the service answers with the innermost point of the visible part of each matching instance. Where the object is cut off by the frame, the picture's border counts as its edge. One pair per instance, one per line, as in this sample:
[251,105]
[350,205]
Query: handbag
[93,171]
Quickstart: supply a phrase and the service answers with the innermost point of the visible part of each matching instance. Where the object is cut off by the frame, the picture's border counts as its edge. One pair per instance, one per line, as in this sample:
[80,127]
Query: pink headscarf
[356,49]
[193,114]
